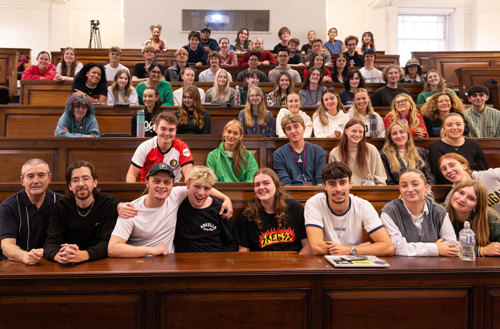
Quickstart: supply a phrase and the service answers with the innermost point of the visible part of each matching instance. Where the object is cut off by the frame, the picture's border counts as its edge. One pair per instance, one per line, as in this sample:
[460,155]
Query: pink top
[231,59]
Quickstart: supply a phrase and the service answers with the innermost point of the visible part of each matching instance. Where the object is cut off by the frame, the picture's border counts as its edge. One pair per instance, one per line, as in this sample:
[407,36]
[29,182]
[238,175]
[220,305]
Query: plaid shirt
[485,124]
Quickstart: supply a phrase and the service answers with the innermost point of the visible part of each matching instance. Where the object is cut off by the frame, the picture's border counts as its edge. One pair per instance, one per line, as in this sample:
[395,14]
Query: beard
[83,194]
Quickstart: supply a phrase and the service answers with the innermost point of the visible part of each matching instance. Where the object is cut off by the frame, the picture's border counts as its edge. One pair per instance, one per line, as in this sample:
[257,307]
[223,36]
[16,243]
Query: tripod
[95,34]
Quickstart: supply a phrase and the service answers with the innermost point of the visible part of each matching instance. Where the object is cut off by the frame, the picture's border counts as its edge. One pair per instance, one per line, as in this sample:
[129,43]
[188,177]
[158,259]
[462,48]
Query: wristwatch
[354,251]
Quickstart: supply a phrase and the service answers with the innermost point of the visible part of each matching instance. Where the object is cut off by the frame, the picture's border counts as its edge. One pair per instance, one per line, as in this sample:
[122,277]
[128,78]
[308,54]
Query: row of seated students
[88,224]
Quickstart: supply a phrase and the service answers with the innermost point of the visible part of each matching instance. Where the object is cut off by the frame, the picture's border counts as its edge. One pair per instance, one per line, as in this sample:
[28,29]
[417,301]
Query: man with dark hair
[24,216]
[335,219]
[295,56]
[253,62]
[352,56]
[369,72]
[484,121]
[265,56]
[81,224]
[317,47]
[283,55]
[197,55]
[206,42]
[214,65]
[283,35]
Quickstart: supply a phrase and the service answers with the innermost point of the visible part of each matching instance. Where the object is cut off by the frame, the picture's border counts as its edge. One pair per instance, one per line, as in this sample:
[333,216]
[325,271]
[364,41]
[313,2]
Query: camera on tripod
[95,34]
[95,23]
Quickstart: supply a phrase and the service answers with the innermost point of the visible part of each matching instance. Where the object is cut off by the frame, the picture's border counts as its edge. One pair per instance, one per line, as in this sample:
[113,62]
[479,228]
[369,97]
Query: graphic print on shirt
[494,198]
[274,236]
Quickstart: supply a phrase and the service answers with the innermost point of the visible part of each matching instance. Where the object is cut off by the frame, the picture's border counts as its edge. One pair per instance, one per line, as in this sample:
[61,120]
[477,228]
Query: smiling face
[252,81]
[194,42]
[369,59]
[361,100]
[79,112]
[354,134]
[453,127]
[243,35]
[155,74]
[35,180]
[69,57]
[264,188]
[367,39]
[478,99]
[464,200]
[285,35]
[94,76]
[82,184]
[224,44]
[254,97]
[318,61]
[122,81]
[330,101]
[232,135]
[222,79]
[187,100]
[316,47]
[284,82]
[402,105]
[43,61]
[311,35]
[337,190]
[399,136]
[159,186]
[293,47]
[188,76]
[166,132]
[340,63]
[433,79]
[315,77]
[148,55]
[351,46]
[282,58]
[444,105]
[149,98]
[294,131]
[393,76]
[354,81]
[257,45]
[156,33]
[293,103]
[412,187]
[453,170]
[214,62]
[198,194]
[253,62]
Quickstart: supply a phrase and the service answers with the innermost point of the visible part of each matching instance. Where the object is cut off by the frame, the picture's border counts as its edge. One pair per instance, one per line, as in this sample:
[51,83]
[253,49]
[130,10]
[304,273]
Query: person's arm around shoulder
[226,210]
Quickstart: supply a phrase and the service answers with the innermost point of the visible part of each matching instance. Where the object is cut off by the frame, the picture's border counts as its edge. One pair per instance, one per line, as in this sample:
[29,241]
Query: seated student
[221,93]
[155,81]
[188,77]
[367,42]
[265,56]
[282,87]
[455,168]
[200,227]
[329,119]
[115,53]
[333,46]
[284,35]
[121,91]
[272,221]
[155,40]
[208,44]
[283,55]
[173,73]
[400,153]
[208,75]
[253,62]
[295,58]
[318,61]
[340,69]
[363,158]
[311,91]
[317,48]
[91,82]
[352,56]
[335,219]
[352,82]
[151,229]
[292,106]
[437,107]
[469,202]
[191,117]
[384,96]
[152,106]
[141,69]
[255,118]
[242,43]
[453,140]
[231,161]
[413,72]
[298,162]
[434,83]
[68,67]
[227,57]
[197,54]
[404,108]
[78,119]
[362,109]
[42,71]
[484,121]
[251,81]
[80,225]
[418,226]
[369,72]
[306,48]
[22,233]
[162,148]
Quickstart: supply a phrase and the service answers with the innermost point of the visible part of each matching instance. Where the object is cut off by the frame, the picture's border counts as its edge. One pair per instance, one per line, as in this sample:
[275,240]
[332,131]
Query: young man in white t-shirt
[115,53]
[369,72]
[335,219]
[151,231]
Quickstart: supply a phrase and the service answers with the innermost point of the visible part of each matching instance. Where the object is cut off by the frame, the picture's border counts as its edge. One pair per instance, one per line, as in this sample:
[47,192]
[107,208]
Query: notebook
[355,261]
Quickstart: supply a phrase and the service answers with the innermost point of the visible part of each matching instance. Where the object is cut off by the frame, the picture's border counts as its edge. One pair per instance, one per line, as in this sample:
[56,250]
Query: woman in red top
[403,105]
[42,71]
[317,60]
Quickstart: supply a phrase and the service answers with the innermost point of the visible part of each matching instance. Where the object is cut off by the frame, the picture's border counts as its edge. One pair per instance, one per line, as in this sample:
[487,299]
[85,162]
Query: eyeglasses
[154,72]
[401,102]
[84,179]
[282,56]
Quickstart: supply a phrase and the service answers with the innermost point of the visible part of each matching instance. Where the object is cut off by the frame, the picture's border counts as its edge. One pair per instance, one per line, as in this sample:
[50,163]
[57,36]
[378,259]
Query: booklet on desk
[355,261]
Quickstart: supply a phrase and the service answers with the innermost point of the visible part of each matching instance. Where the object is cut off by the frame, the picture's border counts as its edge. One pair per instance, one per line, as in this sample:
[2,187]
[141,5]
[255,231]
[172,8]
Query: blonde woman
[362,109]
[404,108]
[121,91]
[255,117]
[329,120]
[221,93]
[437,107]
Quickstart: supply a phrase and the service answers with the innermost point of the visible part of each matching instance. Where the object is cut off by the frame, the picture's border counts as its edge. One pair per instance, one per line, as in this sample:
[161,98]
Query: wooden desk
[423,56]
[250,290]
[8,69]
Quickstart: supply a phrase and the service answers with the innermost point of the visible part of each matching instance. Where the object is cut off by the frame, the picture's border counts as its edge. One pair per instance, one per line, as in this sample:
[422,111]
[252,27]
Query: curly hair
[430,108]
[81,77]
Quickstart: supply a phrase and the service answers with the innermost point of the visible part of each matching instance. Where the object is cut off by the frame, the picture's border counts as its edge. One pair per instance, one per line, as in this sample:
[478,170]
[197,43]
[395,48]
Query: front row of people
[89,225]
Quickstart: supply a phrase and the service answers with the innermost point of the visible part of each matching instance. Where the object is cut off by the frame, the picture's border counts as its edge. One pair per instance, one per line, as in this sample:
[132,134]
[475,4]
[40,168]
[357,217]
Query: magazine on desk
[355,261]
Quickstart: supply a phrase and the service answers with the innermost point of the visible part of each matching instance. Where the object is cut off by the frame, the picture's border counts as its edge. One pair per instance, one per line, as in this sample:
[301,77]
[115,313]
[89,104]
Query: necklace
[88,212]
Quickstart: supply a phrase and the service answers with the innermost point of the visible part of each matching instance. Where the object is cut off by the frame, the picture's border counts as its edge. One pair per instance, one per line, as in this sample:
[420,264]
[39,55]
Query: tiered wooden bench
[8,69]
[469,76]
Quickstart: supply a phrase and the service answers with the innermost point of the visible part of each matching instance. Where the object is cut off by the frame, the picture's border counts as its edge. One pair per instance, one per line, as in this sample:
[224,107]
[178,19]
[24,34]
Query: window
[225,20]
[421,33]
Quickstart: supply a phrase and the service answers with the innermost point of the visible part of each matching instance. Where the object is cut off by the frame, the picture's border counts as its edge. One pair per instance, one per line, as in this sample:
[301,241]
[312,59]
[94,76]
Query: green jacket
[222,164]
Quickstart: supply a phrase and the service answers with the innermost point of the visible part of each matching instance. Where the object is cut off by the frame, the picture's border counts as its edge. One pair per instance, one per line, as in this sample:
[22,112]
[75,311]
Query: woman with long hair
[363,158]
[352,82]
[340,69]
[43,70]
[221,93]
[318,61]
[437,107]
[292,106]
[121,91]
[251,80]
[362,109]
[68,67]
[469,202]
[242,42]
[282,87]
[271,211]
[367,42]
[310,93]
[228,57]
[152,106]
[155,81]
[418,226]
[434,83]
[231,161]
[191,117]
[255,118]
[400,153]
[329,119]
[453,140]
[404,108]
[91,82]
[188,75]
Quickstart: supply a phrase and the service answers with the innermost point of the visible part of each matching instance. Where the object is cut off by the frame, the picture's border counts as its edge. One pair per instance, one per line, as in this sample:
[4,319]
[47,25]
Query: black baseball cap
[160,167]
[206,29]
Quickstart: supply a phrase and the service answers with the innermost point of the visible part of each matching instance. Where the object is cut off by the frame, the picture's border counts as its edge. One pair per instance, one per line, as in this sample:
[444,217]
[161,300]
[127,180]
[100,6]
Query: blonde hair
[202,175]
[321,111]
[262,116]
[227,88]
[430,108]
[128,87]
[369,108]
[412,117]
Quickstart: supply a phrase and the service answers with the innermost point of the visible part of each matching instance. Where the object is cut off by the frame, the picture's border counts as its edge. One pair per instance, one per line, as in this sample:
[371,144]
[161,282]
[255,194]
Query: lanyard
[303,162]
[315,100]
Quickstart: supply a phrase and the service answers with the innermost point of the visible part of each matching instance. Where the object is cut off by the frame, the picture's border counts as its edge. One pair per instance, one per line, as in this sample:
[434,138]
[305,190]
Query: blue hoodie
[88,125]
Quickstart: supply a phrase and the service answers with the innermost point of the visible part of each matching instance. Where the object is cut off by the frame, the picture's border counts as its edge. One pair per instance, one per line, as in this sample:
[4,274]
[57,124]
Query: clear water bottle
[467,243]
[403,118]
[140,123]
[237,97]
